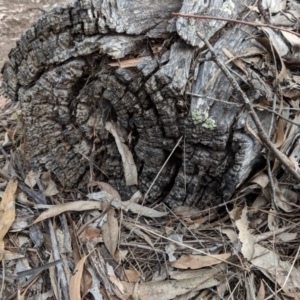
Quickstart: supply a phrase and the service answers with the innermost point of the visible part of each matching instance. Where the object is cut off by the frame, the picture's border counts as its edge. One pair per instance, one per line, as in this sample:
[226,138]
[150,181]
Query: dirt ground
[16,16]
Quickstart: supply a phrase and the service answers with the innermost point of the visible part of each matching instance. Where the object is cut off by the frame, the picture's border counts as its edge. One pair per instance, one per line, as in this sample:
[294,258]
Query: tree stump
[131,65]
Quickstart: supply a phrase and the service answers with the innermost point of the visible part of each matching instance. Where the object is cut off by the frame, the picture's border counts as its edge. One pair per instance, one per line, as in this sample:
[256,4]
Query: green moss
[203,118]
[228,6]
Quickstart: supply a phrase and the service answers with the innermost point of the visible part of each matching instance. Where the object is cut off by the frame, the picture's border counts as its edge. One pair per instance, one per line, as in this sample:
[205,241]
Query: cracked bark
[60,72]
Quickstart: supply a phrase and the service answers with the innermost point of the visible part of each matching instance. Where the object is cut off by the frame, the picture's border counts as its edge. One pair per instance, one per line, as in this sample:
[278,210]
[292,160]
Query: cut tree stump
[130,64]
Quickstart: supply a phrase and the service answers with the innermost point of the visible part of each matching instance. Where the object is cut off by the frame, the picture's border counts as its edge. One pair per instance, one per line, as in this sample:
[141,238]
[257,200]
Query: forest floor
[248,250]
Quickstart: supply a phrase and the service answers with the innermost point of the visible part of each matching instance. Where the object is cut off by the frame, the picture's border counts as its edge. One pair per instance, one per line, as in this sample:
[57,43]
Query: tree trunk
[69,73]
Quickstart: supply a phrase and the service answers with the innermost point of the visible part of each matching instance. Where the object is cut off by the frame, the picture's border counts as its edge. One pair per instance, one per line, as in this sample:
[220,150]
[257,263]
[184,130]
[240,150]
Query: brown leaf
[261,292]
[279,136]
[107,188]
[7,211]
[30,179]
[138,232]
[236,61]
[3,102]
[130,170]
[113,278]
[199,261]
[110,232]
[143,210]
[71,206]
[89,234]
[131,276]
[261,179]
[170,289]
[75,280]
[128,63]
[51,188]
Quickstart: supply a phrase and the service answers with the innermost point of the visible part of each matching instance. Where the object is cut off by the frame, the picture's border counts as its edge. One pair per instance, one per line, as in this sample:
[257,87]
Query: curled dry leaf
[7,211]
[51,188]
[199,261]
[261,179]
[110,232]
[30,179]
[261,291]
[75,280]
[130,170]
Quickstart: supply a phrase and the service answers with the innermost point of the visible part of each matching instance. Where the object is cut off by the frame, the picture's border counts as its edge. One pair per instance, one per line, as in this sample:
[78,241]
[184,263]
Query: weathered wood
[60,72]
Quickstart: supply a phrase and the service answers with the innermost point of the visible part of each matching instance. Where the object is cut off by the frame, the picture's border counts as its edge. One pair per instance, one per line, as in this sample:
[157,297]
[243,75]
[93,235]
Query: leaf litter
[121,249]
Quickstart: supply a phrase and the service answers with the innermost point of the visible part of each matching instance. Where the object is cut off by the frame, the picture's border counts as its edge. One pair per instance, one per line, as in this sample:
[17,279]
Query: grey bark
[60,72]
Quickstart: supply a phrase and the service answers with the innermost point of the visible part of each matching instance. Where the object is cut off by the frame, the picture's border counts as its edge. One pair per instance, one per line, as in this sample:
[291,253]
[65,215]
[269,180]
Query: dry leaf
[75,280]
[170,289]
[170,249]
[280,198]
[131,276]
[30,179]
[245,236]
[231,234]
[56,210]
[3,102]
[7,211]
[261,179]
[104,186]
[110,232]
[127,205]
[274,6]
[8,255]
[236,61]
[267,260]
[51,188]
[273,220]
[130,170]
[90,234]
[291,38]
[143,210]
[261,292]
[128,63]
[279,134]
[136,197]
[113,278]
[199,261]
[138,232]
[53,279]
[287,236]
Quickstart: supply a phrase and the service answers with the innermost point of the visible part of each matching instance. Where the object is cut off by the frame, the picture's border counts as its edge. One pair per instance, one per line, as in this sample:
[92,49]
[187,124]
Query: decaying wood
[65,74]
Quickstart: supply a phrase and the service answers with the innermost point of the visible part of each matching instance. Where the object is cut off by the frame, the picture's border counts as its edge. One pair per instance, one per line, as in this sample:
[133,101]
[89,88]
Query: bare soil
[16,16]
